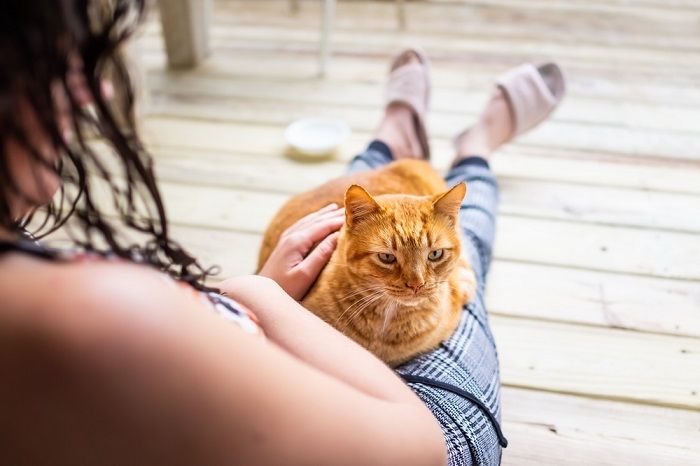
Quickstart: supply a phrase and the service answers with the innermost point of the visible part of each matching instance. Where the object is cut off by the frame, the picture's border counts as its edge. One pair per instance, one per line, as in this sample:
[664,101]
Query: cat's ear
[448,203]
[358,204]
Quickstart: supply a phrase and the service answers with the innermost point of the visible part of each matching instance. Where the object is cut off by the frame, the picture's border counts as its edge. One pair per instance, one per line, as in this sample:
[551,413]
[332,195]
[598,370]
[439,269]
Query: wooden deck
[595,288]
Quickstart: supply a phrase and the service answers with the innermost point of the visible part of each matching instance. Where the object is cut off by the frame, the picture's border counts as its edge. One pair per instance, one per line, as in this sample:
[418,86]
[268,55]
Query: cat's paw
[466,280]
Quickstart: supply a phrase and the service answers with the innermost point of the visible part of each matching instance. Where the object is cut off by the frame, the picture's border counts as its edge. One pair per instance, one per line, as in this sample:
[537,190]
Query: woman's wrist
[245,284]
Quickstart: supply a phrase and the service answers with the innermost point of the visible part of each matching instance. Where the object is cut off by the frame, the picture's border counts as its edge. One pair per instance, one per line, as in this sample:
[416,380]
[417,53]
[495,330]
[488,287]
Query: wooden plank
[595,247]
[447,71]
[662,10]
[628,141]
[653,7]
[609,206]
[579,53]
[189,88]
[466,60]
[562,294]
[504,50]
[241,168]
[605,363]
[559,430]
[535,164]
[671,29]
[480,48]
[226,135]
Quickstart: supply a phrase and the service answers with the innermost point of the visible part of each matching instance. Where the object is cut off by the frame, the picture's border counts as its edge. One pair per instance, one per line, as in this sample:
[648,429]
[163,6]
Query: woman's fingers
[318,258]
[311,217]
[317,231]
[304,250]
[302,241]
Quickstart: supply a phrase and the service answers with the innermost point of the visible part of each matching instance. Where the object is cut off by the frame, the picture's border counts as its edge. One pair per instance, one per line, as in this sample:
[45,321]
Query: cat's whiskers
[362,308]
[359,302]
[364,303]
[436,285]
[360,291]
[389,313]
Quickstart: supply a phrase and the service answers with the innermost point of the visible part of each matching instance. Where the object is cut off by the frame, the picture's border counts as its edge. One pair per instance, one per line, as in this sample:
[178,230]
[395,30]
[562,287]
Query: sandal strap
[408,84]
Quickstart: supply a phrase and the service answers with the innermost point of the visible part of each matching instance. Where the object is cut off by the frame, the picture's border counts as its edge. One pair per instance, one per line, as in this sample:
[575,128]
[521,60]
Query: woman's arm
[129,369]
[310,339]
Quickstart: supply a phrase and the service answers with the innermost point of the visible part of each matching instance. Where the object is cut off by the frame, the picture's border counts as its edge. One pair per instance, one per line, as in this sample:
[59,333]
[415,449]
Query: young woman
[121,355]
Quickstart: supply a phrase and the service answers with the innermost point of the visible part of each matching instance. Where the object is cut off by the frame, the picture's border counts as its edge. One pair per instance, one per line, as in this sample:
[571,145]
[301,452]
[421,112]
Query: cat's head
[405,246]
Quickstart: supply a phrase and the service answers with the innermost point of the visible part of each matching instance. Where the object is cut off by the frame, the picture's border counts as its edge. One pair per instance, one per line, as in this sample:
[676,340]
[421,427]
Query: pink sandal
[533,92]
[409,84]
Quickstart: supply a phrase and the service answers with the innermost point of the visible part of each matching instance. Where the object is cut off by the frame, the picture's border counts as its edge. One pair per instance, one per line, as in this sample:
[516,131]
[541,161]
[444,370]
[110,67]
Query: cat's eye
[387,258]
[435,255]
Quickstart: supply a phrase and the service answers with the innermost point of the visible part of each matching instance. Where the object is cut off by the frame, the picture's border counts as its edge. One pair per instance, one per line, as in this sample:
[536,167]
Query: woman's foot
[399,127]
[493,129]
[525,96]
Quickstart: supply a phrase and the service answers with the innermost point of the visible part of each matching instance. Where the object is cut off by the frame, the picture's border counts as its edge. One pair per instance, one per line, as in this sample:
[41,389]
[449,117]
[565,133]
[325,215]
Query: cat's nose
[415,286]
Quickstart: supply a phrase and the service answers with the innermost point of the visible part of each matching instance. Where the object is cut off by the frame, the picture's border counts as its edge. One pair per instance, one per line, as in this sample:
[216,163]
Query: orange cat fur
[382,305]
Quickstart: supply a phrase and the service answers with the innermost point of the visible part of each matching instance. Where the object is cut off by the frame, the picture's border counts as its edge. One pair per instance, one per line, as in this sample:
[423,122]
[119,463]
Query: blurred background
[595,289]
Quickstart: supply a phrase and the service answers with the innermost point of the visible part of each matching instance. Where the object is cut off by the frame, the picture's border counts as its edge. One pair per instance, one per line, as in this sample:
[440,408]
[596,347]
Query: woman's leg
[468,360]
[478,212]
[395,137]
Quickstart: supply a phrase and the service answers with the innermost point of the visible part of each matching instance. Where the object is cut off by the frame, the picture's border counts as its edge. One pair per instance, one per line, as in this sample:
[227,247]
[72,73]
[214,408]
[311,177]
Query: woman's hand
[303,250]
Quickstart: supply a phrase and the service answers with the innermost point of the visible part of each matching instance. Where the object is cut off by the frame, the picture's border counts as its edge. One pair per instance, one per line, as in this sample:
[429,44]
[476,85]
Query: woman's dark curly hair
[40,43]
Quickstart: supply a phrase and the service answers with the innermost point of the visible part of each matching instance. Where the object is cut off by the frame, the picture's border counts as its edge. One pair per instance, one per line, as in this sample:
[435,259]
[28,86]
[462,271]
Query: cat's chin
[409,300]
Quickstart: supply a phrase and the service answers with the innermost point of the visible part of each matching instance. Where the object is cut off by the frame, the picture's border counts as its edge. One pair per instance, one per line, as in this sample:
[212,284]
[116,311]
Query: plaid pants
[468,359]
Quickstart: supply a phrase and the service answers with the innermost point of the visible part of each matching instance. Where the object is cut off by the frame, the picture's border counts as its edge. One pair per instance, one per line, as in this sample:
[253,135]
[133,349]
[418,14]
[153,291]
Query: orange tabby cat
[393,283]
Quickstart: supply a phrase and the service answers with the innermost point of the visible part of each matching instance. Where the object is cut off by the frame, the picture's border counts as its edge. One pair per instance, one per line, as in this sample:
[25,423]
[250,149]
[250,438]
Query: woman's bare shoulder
[81,294]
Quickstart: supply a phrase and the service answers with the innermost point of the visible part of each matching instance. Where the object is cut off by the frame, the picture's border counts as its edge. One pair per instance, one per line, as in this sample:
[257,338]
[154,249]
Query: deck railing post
[185,31]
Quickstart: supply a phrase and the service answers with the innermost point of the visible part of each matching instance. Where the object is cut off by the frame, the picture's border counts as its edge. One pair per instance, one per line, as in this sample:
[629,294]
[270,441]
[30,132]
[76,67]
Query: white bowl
[316,136]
